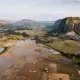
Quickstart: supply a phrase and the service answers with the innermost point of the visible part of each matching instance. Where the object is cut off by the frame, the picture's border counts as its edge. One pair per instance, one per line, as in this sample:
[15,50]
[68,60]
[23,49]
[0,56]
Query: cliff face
[69,25]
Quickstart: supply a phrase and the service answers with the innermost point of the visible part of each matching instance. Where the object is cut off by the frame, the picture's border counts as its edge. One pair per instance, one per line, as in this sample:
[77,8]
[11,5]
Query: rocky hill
[69,26]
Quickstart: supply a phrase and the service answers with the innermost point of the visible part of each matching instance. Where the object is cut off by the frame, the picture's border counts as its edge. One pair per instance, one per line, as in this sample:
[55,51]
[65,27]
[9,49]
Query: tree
[24,34]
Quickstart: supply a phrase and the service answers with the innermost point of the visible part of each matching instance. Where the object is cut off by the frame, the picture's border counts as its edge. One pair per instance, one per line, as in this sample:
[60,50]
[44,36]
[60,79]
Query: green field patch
[17,37]
[38,50]
[33,32]
[65,46]
[56,56]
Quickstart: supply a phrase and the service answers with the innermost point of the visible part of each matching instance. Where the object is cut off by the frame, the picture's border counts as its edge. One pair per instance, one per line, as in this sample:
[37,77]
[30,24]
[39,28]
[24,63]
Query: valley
[28,61]
[31,50]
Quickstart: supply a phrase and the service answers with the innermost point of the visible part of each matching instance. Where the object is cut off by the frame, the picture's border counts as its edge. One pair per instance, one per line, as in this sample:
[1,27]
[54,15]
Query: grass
[59,56]
[48,47]
[32,32]
[38,50]
[17,37]
[65,46]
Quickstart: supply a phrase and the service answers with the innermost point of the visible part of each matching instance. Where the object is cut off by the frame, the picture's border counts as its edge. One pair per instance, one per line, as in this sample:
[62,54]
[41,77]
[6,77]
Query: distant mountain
[69,26]
[25,21]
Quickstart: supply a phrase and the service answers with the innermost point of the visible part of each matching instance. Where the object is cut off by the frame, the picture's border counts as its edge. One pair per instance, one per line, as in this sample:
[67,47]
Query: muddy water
[24,62]
[5,63]
[22,54]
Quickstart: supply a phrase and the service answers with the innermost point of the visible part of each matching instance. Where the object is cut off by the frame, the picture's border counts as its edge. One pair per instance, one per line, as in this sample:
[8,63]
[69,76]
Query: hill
[69,26]
[25,21]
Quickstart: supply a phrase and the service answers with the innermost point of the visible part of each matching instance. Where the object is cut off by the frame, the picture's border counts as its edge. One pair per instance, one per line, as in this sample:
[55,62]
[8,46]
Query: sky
[39,10]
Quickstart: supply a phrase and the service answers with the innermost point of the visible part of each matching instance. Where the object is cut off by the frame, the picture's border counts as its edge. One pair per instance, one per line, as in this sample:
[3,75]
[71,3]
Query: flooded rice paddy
[23,62]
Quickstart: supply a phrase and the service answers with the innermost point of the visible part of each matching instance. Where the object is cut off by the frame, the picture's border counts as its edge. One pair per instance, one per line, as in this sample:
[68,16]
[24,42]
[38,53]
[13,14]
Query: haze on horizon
[40,10]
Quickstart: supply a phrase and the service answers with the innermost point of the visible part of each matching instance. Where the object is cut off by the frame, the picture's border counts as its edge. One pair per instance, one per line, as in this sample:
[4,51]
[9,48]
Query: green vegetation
[32,32]
[38,50]
[66,25]
[55,56]
[65,46]
[5,50]
[17,37]
[48,47]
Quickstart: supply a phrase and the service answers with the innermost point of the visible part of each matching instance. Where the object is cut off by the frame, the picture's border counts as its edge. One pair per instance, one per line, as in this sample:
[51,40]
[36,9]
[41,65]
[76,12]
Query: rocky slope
[69,26]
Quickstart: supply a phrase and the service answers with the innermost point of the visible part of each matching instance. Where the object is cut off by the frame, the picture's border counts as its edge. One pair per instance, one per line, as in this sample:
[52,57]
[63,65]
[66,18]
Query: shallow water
[23,61]
[5,63]
[20,51]
[1,50]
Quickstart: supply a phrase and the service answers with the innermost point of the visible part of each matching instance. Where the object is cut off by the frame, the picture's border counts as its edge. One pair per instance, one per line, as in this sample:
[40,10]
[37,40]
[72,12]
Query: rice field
[65,46]
[32,32]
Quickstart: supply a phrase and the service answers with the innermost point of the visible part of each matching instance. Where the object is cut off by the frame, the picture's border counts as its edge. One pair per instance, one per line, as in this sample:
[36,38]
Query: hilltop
[70,25]
[24,21]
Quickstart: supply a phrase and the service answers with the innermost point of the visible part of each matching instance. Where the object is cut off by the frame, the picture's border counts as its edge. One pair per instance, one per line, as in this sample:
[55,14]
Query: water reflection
[20,50]
[1,50]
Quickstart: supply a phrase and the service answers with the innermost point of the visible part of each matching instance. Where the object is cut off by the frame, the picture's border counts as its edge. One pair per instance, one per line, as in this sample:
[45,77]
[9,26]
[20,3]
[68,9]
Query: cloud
[71,1]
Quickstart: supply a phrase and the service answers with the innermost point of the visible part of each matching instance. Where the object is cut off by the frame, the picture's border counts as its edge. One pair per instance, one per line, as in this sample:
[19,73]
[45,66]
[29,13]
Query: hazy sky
[38,9]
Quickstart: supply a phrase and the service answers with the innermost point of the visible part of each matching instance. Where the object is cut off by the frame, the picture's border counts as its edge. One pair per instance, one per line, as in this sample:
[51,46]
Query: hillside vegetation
[68,24]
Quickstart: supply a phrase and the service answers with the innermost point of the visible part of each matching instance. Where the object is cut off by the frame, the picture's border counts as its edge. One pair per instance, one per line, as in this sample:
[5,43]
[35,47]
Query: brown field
[2,44]
[57,76]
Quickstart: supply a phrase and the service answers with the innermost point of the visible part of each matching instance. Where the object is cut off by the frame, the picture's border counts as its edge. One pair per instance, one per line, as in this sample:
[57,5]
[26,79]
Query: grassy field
[11,39]
[65,46]
[55,56]
[32,32]
[38,50]
[17,37]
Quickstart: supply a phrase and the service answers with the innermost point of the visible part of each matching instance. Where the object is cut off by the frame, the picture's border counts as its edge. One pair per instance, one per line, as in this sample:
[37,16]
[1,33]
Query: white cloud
[71,1]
